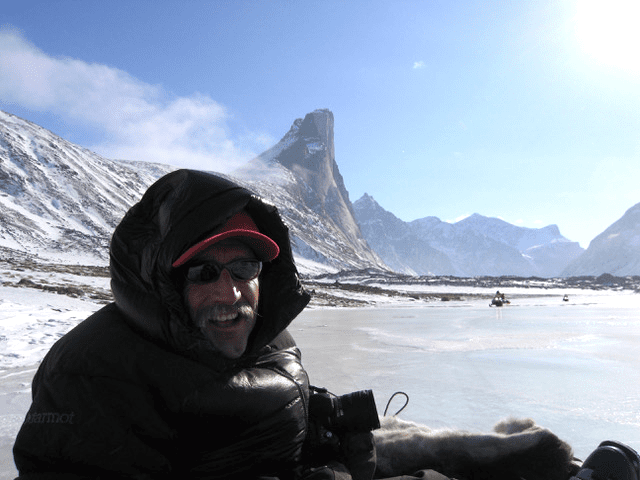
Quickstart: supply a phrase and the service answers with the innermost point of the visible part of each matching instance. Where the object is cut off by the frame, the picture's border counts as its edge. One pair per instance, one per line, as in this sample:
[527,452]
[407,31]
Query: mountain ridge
[615,251]
[476,245]
[60,202]
[57,197]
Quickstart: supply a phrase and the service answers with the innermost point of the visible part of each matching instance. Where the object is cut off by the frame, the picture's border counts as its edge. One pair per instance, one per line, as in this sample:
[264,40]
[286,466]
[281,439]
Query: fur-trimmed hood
[177,211]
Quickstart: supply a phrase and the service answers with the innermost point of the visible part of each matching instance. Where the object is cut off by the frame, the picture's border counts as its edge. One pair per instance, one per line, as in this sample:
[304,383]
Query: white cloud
[419,64]
[461,217]
[139,121]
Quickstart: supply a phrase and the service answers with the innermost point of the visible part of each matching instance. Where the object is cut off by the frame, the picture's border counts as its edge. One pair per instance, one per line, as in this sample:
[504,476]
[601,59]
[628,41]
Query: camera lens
[356,411]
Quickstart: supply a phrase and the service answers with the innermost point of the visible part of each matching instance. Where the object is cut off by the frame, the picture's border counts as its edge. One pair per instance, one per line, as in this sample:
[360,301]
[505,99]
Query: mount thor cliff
[60,203]
[301,177]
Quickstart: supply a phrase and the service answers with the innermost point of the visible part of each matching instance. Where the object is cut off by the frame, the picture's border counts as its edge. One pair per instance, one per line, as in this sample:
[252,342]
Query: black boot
[610,461]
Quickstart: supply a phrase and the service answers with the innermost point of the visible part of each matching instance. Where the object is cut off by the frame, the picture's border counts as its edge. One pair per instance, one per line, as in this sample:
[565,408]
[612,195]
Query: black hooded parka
[136,391]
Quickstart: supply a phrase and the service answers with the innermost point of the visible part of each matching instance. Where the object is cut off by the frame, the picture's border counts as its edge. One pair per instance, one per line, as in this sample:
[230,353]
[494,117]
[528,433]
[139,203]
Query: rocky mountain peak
[367,203]
[308,151]
[301,169]
[367,199]
[318,125]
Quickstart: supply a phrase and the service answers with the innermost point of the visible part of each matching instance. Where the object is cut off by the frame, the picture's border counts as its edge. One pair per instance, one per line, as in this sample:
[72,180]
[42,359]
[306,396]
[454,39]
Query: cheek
[192,297]
[196,295]
[251,292]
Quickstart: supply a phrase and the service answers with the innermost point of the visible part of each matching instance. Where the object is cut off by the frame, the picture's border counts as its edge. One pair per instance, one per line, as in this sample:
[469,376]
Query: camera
[353,412]
[332,418]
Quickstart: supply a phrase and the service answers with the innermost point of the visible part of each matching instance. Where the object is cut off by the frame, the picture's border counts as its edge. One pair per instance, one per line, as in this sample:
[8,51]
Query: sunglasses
[241,270]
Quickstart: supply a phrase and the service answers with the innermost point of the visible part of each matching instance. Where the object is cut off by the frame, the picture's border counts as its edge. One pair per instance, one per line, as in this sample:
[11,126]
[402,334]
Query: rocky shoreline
[353,288]
[339,294]
[605,281]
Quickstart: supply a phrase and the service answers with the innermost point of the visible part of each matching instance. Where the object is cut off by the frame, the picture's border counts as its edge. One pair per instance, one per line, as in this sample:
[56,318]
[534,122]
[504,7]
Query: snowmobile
[499,302]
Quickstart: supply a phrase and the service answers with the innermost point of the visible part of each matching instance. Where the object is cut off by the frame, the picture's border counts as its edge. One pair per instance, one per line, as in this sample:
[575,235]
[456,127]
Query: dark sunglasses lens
[207,272]
[210,272]
[245,269]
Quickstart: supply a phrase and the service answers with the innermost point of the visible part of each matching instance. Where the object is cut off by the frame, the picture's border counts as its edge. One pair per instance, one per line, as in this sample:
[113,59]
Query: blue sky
[524,110]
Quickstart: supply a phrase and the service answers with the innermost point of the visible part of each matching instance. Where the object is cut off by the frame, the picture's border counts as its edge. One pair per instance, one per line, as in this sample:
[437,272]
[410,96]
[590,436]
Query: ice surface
[571,366]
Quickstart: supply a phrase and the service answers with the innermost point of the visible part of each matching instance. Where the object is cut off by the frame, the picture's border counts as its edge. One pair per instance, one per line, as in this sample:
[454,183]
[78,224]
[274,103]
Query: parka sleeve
[91,427]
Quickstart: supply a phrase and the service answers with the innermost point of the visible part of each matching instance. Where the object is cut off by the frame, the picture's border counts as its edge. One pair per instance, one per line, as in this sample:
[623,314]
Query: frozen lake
[574,367]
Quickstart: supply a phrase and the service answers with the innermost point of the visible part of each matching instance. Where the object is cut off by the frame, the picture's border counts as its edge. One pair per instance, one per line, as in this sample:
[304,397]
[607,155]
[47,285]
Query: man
[191,373]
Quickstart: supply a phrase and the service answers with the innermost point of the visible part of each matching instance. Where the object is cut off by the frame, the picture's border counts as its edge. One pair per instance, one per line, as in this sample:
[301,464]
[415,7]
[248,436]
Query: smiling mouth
[227,319]
[225,316]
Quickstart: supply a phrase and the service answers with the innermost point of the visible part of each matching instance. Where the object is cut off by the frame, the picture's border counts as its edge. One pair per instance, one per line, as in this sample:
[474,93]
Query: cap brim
[264,248]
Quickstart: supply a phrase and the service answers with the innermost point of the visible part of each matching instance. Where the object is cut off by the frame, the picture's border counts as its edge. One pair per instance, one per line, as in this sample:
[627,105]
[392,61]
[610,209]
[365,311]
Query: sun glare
[608,31]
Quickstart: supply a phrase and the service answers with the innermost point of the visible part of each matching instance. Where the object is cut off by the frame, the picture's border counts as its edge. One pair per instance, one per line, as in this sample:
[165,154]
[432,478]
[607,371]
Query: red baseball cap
[240,225]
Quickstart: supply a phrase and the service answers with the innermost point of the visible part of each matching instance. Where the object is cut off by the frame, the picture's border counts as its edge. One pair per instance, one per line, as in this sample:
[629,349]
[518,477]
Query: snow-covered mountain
[615,251]
[300,175]
[398,244]
[474,246]
[59,201]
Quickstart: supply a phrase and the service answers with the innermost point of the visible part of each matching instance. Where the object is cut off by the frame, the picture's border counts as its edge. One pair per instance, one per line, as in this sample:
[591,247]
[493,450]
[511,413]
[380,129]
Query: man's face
[225,309]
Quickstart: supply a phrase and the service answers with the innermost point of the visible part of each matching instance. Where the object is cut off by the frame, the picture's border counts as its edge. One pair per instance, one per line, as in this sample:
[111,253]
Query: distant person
[192,374]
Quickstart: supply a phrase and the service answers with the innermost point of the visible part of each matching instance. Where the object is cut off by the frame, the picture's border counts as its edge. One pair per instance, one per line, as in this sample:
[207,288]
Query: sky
[524,110]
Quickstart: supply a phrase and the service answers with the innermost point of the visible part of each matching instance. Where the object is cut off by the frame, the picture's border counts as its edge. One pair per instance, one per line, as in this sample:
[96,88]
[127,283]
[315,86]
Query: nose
[225,289]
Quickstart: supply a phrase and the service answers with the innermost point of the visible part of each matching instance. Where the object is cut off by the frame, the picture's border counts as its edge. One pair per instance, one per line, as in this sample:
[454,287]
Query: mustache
[242,310]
